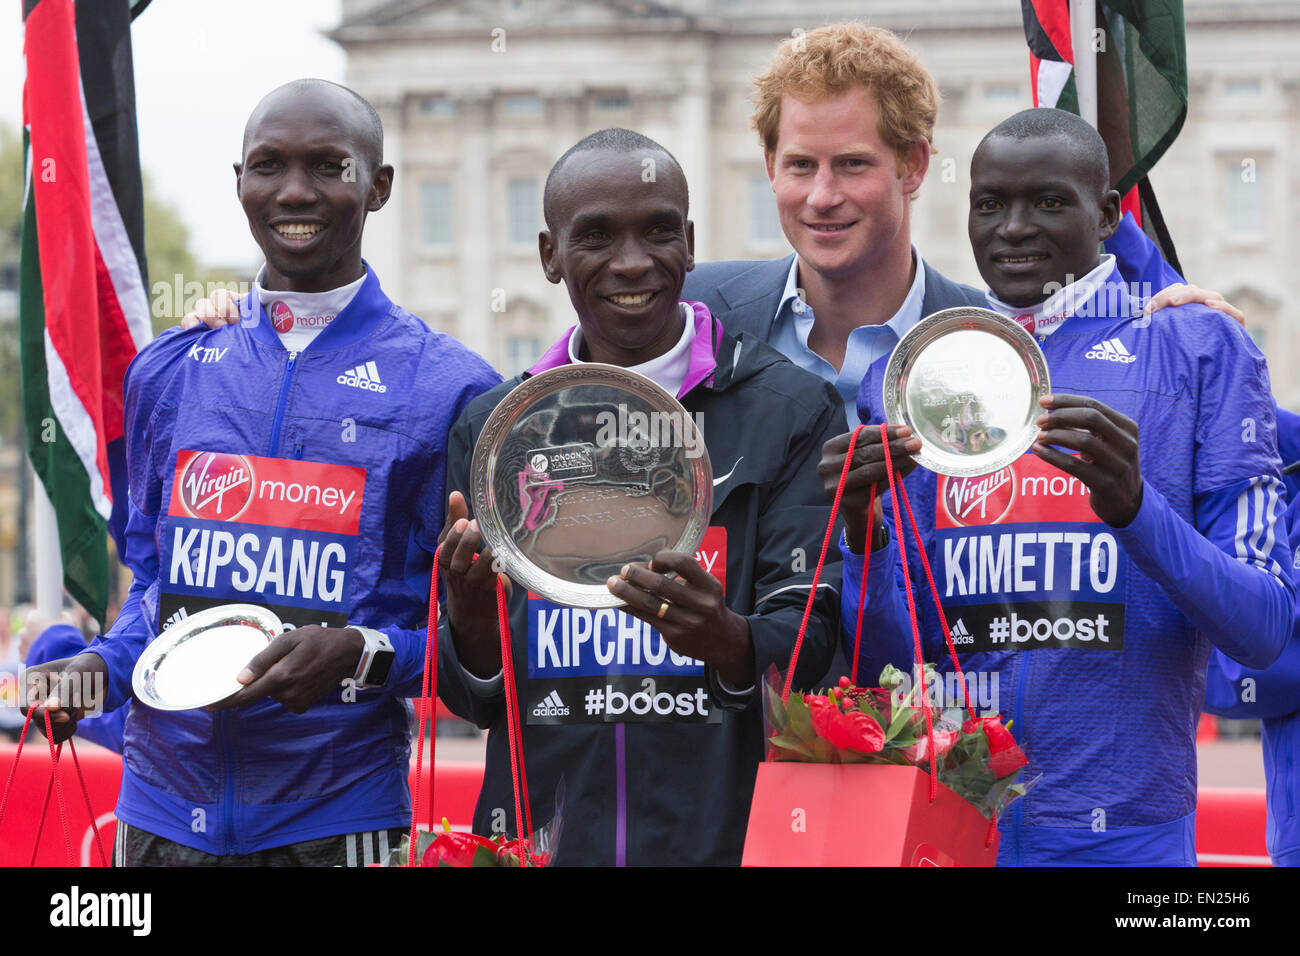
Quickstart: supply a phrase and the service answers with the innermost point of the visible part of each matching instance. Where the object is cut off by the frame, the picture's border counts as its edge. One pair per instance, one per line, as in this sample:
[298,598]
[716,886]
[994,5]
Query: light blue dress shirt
[867,343]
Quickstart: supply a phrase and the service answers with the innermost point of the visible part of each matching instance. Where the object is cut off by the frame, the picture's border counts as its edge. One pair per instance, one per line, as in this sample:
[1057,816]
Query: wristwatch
[376,660]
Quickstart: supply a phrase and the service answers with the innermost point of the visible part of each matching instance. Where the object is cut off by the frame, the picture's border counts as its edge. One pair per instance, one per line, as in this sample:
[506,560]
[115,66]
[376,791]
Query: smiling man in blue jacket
[1099,570]
[295,460]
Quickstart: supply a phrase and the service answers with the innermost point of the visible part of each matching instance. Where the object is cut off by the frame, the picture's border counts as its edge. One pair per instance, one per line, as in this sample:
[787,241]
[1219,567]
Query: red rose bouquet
[453,848]
[976,758]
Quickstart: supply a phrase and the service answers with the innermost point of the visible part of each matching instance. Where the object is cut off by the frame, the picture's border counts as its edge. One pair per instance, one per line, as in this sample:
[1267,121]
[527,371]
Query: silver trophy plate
[967,382]
[194,662]
[585,468]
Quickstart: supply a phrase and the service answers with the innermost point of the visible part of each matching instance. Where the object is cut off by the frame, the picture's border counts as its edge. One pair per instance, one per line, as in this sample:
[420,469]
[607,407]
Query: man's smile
[830,227]
[630,300]
[297,231]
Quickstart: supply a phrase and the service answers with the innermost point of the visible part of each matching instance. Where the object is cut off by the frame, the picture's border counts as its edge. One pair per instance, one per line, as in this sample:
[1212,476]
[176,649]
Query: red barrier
[1229,820]
[1230,827]
[103,773]
[458,786]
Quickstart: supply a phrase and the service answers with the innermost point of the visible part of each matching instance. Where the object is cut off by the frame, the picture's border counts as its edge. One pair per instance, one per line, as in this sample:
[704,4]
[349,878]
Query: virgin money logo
[215,486]
[985,499]
[281,317]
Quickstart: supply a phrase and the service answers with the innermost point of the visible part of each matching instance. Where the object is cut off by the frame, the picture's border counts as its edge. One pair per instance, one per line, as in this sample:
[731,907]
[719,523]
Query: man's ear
[381,187]
[913,166]
[239,175]
[769,162]
[1111,213]
[546,247]
[690,245]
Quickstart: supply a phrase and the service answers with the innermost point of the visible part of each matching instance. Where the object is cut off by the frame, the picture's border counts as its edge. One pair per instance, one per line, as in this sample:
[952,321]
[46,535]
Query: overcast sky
[200,66]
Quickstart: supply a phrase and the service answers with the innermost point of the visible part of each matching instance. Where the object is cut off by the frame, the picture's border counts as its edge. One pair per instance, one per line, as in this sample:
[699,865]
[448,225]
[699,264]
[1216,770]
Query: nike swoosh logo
[718,481]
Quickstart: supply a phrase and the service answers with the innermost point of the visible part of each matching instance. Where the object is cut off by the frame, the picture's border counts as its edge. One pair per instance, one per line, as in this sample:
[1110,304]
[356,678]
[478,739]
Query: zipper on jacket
[281,402]
[297,452]
[228,808]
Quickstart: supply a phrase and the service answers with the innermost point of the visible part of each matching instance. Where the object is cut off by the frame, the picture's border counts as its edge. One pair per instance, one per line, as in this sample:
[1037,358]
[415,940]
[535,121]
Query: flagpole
[49,563]
[1083,24]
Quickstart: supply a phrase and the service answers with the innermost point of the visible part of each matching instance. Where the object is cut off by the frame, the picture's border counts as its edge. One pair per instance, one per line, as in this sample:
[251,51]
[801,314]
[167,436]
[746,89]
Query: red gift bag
[823,814]
[826,814]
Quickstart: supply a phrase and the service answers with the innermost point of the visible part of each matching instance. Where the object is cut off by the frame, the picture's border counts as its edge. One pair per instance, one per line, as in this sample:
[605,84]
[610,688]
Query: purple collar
[702,362]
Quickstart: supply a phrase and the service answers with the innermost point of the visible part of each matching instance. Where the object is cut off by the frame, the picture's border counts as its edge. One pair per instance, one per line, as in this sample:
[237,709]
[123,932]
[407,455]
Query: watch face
[380,665]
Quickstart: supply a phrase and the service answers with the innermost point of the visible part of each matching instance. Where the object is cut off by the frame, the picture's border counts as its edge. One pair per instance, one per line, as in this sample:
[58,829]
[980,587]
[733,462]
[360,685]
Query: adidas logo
[176,618]
[1112,350]
[363,376]
[551,706]
[960,635]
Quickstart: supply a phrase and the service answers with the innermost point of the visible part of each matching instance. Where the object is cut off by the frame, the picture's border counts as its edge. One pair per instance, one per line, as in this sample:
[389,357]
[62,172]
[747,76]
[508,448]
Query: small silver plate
[194,662]
[582,469]
[967,382]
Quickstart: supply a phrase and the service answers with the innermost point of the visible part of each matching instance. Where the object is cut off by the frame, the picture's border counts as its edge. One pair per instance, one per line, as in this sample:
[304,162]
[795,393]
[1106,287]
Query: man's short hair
[1048,123]
[614,140]
[374,134]
[830,60]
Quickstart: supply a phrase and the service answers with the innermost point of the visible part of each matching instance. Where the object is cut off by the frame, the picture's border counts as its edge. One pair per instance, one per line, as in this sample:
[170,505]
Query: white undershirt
[1045,318]
[298,317]
[669,370]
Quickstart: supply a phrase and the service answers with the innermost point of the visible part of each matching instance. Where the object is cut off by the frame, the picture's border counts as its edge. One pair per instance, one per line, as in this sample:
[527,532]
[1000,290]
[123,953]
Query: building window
[611,101]
[764,223]
[521,206]
[439,106]
[522,352]
[435,212]
[1243,86]
[523,104]
[1002,92]
[1245,200]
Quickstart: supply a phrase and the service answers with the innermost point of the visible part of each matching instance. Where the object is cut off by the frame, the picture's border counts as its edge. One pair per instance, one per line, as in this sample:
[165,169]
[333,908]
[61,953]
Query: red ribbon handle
[514,726]
[55,786]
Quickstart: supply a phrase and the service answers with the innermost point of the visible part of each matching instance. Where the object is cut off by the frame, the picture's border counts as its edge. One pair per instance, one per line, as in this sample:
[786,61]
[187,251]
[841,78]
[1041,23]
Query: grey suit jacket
[743,294]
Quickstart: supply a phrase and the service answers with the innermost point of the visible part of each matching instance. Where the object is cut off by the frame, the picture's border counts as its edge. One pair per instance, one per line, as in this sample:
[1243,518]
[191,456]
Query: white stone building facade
[479,97]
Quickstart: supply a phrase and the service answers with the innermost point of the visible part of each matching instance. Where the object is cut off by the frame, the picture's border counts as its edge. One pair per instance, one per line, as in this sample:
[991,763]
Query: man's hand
[299,667]
[67,689]
[1107,443]
[868,469]
[696,621]
[1179,294]
[465,567]
[221,308]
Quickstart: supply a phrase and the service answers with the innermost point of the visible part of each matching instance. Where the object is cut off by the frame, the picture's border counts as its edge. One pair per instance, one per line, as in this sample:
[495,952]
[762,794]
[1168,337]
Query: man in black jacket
[669,781]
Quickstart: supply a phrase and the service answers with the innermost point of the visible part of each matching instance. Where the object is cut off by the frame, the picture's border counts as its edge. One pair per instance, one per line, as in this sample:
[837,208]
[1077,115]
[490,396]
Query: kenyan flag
[1141,61]
[83,311]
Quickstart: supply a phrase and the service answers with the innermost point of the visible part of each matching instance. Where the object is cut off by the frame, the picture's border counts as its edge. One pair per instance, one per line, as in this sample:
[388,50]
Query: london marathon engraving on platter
[967,382]
[582,469]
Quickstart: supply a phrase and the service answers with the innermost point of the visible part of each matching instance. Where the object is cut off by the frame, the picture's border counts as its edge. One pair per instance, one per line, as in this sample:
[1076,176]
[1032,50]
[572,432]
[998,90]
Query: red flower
[851,731]
[1005,755]
[455,849]
[919,752]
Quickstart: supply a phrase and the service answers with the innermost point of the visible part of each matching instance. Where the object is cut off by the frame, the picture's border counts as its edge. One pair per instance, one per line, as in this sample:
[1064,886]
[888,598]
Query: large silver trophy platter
[582,469]
[967,382]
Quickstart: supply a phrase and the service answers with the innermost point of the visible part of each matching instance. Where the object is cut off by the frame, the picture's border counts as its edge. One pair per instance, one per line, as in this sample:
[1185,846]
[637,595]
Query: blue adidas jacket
[1094,640]
[1231,690]
[360,418]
